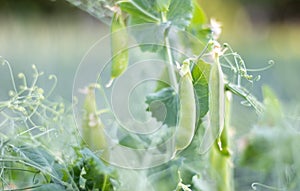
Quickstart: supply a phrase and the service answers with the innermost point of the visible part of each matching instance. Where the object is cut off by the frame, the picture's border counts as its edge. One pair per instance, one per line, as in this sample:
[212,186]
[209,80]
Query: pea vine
[195,88]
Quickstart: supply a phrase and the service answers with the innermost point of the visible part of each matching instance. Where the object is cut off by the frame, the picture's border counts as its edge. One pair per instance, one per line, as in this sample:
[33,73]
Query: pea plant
[191,99]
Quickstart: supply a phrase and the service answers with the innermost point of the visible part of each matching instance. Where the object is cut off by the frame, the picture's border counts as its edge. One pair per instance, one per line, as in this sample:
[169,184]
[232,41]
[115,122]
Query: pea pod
[119,46]
[187,112]
[92,128]
[216,100]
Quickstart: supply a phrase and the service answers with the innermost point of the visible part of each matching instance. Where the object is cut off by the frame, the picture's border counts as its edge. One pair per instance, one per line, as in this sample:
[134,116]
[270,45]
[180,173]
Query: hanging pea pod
[119,46]
[92,129]
[187,112]
[216,98]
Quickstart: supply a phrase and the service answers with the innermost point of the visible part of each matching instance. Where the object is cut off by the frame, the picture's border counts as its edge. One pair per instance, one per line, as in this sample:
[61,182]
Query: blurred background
[55,36]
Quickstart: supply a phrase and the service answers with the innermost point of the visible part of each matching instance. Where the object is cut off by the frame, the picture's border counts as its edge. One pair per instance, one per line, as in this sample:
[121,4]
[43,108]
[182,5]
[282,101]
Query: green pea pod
[216,100]
[92,128]
[187,112]
[119,46]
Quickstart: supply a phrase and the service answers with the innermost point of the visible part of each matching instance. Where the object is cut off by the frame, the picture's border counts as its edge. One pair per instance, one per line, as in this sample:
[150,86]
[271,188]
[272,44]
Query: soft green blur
[264,153]
[55,36]
[55,42]
[258,40]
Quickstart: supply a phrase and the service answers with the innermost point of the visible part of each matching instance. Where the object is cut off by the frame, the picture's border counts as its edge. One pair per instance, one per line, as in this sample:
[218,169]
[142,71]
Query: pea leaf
[41,159]
[166,13]
[162,5]
[198,28]
[200,74]
[273,113]
[198,16]
[36,156]
[169,98]
[180,13]
[142,10]
[96,174]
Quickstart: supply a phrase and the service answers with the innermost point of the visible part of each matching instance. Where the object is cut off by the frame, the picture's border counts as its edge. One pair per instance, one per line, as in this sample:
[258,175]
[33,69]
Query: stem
[220,160]
[171,70]
[104,183]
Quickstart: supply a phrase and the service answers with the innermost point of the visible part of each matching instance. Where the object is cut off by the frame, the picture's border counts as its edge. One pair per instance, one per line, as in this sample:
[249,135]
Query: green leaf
[273,114]
[198,27]
[96,174]
[200,74]
[40,159]
[140,9]
[169,100]
[180,13]
[36,155]
[162,5]
[199,17]
[98,167]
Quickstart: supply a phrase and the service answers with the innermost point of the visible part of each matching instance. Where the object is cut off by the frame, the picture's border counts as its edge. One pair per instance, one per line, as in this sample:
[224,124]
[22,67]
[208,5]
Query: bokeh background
[55,36]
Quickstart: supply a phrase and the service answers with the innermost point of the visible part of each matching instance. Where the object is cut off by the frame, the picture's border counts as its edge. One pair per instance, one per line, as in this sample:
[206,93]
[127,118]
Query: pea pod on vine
[119,46]
[216,97]
[187,112]
[92,129]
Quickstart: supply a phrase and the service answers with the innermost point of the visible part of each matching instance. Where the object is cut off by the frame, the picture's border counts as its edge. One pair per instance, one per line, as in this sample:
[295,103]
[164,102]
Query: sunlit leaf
[199,17]
[180,13]
[162,5]
[141,10]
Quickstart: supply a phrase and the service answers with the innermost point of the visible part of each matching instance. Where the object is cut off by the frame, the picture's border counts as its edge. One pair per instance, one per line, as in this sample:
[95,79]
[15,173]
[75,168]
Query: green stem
[171,70]
[220,160]
[104,183]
